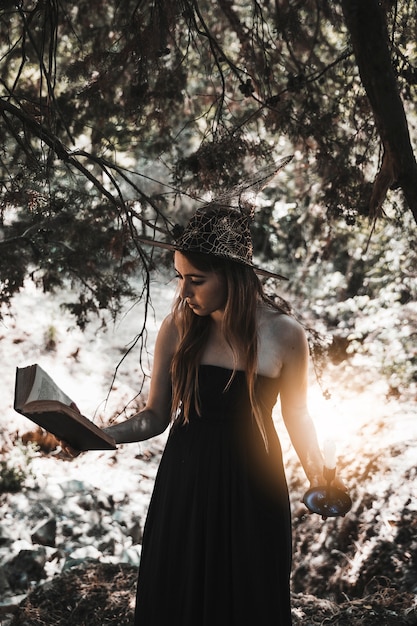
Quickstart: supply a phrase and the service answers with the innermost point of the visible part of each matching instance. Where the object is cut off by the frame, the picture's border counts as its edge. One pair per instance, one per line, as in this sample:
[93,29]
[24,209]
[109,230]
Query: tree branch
[368,30]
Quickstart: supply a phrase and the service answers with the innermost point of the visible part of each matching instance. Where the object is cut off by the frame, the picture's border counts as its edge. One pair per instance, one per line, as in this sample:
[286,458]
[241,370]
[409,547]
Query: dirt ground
[104,594]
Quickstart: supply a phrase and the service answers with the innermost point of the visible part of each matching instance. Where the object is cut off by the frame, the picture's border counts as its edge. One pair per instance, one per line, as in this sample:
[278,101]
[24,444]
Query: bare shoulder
[168,324]
[168,334]
[285,329]
[289,324]
[282,343]
[283,323]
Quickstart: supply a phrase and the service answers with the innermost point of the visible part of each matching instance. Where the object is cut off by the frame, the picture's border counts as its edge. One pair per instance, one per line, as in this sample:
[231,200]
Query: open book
[40,399]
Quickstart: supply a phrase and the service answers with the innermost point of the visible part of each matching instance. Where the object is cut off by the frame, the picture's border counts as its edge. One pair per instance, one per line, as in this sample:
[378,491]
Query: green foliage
[11,478]
[15,470]
[362,292]
[116,117]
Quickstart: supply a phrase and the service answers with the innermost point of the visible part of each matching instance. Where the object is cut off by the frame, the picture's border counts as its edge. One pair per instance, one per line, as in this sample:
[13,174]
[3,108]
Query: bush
[15,470]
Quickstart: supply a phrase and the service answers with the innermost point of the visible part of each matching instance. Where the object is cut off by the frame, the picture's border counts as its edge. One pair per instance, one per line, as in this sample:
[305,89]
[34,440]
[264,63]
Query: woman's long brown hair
[243,294]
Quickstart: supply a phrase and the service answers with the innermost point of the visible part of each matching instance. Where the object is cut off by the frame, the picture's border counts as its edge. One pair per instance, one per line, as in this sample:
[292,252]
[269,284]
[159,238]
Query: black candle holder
[328,500]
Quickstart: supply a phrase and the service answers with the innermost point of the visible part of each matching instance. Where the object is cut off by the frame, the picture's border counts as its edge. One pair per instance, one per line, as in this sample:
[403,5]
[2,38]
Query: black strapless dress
[216,547]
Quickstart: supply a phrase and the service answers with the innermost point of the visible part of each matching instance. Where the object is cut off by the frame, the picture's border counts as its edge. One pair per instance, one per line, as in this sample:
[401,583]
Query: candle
[329,451]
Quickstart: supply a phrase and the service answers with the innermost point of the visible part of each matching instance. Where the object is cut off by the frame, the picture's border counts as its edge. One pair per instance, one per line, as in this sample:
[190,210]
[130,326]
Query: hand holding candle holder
[328,500]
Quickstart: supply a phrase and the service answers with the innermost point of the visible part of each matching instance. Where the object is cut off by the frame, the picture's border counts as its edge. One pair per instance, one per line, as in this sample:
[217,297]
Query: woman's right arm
[155,417]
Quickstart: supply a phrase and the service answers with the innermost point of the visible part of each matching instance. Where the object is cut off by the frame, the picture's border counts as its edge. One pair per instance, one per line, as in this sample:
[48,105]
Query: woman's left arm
[294,384]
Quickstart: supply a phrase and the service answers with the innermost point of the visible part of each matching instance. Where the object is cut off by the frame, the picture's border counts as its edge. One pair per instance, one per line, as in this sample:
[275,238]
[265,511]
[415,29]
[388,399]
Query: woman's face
[204,291]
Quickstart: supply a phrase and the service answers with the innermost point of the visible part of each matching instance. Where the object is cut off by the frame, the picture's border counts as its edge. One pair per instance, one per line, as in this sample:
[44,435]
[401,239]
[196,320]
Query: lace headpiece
[223,230]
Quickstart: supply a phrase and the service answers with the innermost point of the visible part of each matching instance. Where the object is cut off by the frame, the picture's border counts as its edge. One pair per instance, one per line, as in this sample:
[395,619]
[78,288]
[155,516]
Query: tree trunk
[366,23]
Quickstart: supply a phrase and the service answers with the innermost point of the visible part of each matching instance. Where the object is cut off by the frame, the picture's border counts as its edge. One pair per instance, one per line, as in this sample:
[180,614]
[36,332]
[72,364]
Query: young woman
[217,540]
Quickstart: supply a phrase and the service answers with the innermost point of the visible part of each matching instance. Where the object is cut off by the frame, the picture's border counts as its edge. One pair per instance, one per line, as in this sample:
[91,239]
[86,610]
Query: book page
[44,388]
